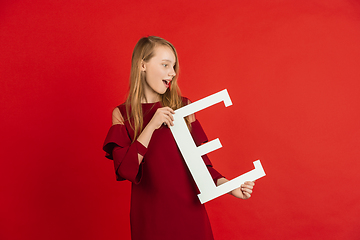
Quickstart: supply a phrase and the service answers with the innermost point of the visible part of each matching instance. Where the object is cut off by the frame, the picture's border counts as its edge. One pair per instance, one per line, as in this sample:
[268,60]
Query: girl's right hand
[162,115]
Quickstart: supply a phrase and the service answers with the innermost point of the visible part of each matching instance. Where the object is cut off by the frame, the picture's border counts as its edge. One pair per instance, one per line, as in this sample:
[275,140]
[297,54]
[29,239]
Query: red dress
[164,202]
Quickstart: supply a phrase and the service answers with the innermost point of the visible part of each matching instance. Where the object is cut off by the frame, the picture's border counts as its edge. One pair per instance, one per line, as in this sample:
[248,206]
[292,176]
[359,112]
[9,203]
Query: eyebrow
[167,60]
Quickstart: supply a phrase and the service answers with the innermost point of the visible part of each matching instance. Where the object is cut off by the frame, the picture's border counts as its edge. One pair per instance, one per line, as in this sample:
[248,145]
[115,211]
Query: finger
[249,183]
[168,121]
[171,121]
[170,116]
[169,110]
[166,113]
[247,195]
[247,186]
[245,190]
[251,186]
[172,111]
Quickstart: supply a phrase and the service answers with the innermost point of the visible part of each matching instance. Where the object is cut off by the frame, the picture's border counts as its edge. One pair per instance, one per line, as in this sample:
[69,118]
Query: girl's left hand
[244,191]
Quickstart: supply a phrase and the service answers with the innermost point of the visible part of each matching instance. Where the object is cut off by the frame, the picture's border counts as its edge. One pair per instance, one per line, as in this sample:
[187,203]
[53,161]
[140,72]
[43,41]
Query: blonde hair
[144,51]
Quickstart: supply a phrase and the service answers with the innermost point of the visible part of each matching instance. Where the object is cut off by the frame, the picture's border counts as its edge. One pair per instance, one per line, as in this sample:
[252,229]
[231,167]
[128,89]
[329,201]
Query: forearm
[222,181]
[144,138]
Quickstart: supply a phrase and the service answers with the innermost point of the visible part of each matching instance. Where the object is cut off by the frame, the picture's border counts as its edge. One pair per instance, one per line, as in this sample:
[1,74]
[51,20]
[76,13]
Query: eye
[165,65]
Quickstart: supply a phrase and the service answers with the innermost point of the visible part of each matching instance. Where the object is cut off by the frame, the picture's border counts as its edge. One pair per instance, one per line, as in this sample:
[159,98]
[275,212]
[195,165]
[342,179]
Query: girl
[164,203]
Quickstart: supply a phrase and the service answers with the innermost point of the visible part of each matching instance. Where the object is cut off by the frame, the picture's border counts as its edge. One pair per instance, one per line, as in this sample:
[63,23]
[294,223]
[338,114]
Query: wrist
[150,128]
[145,135]
[236,193]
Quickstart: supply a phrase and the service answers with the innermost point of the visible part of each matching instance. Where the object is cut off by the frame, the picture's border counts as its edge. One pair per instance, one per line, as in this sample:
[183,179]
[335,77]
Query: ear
[143,66]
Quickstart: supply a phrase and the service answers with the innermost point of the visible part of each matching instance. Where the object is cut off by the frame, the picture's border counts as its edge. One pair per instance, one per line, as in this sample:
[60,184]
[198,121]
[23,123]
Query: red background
[292,71]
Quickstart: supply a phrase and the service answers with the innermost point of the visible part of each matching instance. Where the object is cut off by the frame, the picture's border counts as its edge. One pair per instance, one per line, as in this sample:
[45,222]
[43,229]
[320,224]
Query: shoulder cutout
[117,118]
[192,117]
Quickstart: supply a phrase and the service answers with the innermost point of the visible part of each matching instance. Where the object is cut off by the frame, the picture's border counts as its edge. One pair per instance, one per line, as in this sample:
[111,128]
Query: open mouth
[167,83]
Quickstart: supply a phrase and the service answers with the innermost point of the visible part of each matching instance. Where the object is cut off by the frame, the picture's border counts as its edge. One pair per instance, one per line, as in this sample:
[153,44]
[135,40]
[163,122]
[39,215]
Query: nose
[172,73]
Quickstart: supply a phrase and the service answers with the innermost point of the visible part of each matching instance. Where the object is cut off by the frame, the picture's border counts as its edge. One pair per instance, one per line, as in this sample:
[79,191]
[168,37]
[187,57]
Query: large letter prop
[192,154]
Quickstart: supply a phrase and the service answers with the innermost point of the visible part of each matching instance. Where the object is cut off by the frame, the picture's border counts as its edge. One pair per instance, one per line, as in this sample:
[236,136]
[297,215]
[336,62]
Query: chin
[163,92]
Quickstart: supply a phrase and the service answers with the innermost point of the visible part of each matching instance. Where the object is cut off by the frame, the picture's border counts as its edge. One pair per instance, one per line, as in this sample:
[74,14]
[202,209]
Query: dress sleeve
[124,153]
[200,137]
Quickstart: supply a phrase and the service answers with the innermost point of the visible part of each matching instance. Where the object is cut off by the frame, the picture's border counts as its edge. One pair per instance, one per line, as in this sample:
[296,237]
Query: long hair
[144,51]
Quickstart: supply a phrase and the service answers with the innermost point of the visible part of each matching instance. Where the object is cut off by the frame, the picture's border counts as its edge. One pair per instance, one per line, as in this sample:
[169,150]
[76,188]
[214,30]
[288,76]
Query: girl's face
[159,71]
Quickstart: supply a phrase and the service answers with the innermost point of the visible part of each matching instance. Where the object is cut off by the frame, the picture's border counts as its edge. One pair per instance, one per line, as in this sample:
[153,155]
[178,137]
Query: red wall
[292,71]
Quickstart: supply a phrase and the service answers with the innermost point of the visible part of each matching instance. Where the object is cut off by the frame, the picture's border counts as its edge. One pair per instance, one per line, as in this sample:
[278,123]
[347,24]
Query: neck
[151,99]
[150,96]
